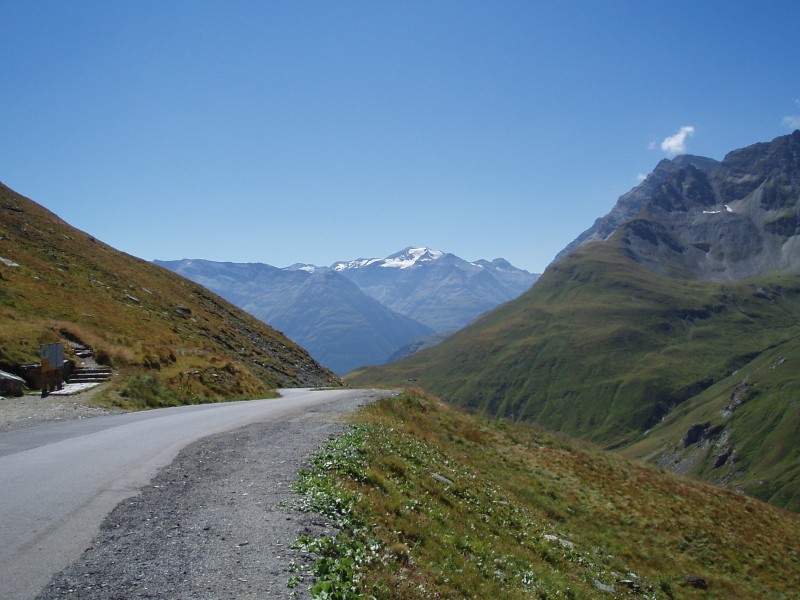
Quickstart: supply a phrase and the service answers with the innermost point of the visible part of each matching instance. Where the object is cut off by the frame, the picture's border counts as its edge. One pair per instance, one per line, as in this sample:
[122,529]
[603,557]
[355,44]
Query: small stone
[565,543]
[696,582]
[628,583]
[441,478]
[603,587]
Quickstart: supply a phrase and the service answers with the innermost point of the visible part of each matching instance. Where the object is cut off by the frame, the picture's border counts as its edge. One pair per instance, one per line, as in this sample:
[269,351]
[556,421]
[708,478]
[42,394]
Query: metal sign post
[52,367]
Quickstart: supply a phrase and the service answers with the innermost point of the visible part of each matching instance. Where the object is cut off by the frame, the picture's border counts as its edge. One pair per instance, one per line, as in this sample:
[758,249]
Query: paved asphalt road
[58,481]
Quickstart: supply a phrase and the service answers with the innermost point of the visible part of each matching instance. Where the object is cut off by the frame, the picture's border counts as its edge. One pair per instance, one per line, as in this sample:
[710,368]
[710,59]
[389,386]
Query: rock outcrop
[696,218]
[10,384]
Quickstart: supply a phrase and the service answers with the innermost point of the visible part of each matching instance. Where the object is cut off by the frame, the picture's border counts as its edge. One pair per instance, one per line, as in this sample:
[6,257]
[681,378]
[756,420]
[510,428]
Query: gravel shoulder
[217,523]
[32,410]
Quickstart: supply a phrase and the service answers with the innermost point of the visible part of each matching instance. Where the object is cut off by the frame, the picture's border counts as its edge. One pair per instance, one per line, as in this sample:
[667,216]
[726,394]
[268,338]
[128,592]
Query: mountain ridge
[645,334]
[630,203]
[436,288]
[318,308]
[394,302]
[719,221]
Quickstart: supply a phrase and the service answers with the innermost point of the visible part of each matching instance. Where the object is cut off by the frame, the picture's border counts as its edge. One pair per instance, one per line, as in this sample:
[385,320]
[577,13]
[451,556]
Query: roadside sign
[52,356]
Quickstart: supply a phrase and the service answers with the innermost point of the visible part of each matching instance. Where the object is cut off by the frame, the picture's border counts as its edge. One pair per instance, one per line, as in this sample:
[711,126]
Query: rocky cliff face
[693,217]
[628,205]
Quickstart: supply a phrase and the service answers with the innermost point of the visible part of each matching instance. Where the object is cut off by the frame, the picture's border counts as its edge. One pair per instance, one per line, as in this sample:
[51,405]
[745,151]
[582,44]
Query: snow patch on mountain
[404,259]
[411,256]
[354,264]
[716,212]
[304,267]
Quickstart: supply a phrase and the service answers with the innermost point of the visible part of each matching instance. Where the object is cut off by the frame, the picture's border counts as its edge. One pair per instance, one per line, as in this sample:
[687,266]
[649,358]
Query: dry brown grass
[138,318]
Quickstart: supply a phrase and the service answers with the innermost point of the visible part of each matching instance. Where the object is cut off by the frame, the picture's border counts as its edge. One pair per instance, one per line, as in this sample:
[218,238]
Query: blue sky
[285,132]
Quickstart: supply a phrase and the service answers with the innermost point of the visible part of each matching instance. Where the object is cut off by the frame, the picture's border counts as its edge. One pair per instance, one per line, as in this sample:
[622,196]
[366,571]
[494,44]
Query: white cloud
[676,144]
[792,121]
[641,177]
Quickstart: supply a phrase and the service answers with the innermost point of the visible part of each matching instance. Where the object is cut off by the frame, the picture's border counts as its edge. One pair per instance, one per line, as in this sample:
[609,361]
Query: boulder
[599,585]
[441,478]
[11,384]
[566,543]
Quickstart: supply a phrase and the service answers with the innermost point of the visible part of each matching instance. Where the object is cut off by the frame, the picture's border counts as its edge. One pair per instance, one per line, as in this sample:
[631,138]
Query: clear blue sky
[284,132]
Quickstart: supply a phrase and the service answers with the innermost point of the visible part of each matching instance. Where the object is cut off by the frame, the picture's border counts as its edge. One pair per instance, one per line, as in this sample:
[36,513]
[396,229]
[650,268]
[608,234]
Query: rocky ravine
[216,524]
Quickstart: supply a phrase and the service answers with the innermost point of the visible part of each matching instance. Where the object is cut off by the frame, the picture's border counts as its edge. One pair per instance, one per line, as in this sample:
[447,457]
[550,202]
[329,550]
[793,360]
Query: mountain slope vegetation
[432,502]
[640,337]
[598,326]
[603,349]
[740,432]
[159,330]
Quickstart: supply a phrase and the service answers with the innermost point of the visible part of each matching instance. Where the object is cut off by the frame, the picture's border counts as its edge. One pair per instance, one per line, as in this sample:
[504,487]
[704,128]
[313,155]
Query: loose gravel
[32,410]
[218,523]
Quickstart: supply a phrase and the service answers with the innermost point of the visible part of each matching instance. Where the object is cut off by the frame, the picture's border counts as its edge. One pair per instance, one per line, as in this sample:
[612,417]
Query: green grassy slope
[603,349]
[160,330]
[436,503]
[745,430]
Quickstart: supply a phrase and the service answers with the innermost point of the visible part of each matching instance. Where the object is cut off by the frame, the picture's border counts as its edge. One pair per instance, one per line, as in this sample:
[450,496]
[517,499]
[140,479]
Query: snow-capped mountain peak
[304,267]
[332,310]
[354,264]
[411,256]
[404,259]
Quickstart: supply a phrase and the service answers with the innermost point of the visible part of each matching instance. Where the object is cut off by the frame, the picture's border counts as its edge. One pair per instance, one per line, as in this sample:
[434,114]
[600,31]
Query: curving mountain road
[58,482]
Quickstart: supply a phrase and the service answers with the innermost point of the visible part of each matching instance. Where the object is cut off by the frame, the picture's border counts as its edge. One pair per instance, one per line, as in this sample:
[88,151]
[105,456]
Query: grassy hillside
[741,432]
[603,349]
[436,503]
[171,340]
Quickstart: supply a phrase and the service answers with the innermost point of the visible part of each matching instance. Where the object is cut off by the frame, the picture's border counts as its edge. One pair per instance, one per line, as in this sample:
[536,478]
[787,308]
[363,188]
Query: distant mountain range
[436,288]
[363,311]
[670,330]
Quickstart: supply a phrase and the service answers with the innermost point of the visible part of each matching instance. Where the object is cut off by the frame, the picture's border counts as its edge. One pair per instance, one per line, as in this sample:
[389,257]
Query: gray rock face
[695,433]
[694,217]
[629,204]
